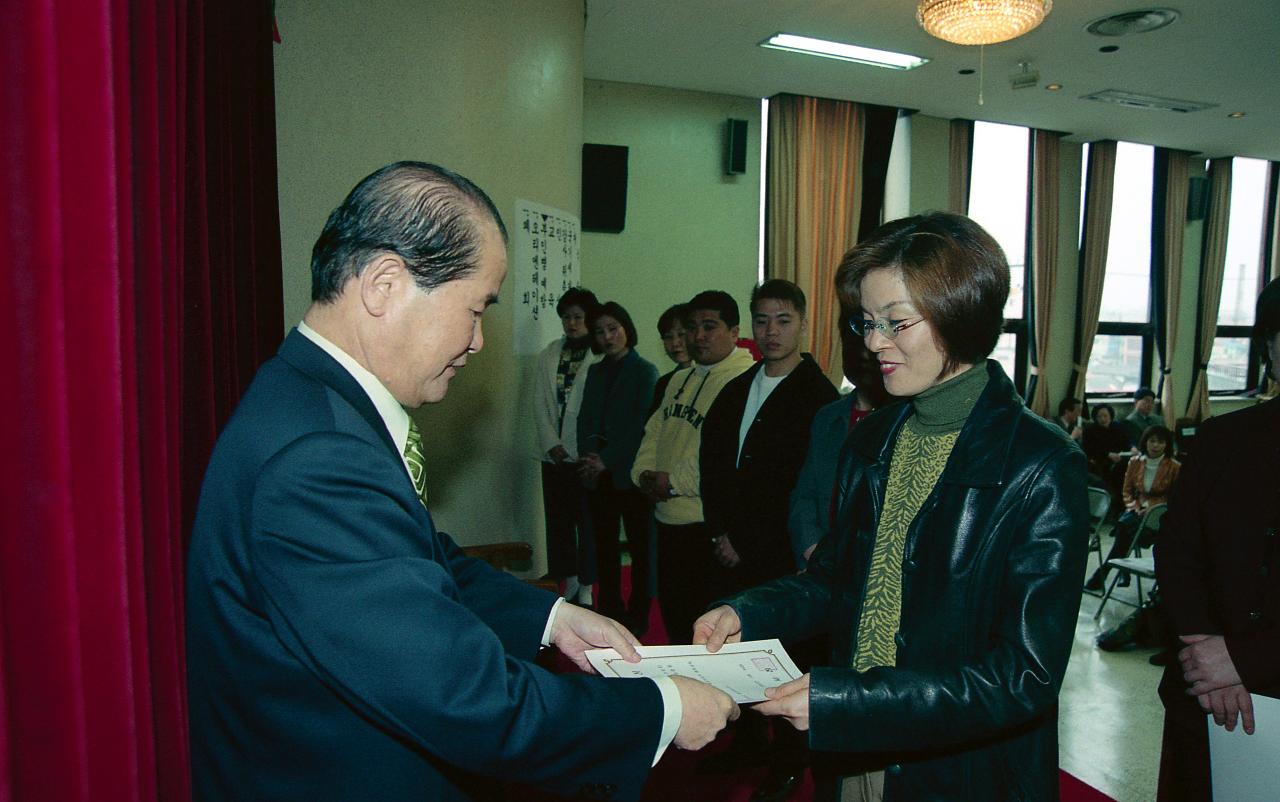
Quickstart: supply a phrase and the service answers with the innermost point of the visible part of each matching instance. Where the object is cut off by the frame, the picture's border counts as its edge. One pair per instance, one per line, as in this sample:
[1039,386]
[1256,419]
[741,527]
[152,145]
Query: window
[1123,350]
[998,202]
[1233,367]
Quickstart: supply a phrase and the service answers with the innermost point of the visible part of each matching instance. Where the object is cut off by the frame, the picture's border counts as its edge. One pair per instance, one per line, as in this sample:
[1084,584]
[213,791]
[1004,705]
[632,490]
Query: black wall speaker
[735,147]
[1197,198]
[604,188]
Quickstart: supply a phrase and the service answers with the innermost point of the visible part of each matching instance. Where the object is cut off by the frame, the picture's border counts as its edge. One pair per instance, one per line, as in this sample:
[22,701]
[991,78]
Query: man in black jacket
[1218,562]
[754,444]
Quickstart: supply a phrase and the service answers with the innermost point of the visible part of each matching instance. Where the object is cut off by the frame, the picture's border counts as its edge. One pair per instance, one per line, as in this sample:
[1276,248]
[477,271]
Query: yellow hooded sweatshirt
[674,433]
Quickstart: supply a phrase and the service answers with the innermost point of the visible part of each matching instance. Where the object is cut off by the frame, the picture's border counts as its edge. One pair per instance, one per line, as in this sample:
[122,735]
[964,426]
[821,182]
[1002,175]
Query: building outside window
[998,194]
[1121,360]
[1233,366]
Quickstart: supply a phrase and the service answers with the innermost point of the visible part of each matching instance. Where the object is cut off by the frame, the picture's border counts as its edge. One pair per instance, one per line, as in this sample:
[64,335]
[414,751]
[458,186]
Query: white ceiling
[1225,52]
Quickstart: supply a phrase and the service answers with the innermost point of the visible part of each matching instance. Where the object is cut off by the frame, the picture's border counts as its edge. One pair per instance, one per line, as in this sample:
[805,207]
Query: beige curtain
[1175,224]
[814,201]
[1213,258]
[1094,239]
[1046,177]
[961,166]
[1271,388]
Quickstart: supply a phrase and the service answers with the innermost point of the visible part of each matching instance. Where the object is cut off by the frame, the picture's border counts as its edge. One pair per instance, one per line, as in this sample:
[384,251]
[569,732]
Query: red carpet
[676,779]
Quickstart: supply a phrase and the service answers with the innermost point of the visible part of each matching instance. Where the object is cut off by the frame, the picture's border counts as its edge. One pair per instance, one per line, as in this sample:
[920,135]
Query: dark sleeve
[624,438]
[1181,562]
[1012,683]
[809,516]
[359,589]
[717,453]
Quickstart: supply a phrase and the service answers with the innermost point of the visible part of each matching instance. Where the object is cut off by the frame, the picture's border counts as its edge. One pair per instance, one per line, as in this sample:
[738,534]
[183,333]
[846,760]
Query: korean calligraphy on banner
[548,261]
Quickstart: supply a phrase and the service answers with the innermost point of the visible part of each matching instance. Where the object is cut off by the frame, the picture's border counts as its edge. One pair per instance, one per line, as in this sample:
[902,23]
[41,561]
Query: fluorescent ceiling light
[843,52]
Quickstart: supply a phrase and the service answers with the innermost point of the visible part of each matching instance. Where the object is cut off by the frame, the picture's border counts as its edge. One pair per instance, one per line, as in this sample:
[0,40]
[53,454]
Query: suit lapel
[310,359]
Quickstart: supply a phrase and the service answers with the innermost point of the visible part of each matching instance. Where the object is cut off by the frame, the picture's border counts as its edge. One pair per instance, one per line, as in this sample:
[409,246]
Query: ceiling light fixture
[843,52]
[981,22]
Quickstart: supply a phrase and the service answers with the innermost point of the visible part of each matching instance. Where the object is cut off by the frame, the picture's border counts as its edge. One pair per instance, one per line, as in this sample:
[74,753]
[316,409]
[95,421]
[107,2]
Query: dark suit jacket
[749,497]
[612,424]
[1217,556]
[339,648]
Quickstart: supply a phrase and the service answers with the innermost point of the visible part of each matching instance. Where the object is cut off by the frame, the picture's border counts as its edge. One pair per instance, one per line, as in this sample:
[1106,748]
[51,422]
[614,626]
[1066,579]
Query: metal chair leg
[1107,596]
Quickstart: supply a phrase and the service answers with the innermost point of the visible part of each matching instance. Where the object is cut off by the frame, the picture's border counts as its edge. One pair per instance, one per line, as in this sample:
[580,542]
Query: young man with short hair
[754,444]
[666,467]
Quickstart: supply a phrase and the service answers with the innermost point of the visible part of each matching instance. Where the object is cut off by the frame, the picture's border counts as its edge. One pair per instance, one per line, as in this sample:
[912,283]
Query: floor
[1109,716]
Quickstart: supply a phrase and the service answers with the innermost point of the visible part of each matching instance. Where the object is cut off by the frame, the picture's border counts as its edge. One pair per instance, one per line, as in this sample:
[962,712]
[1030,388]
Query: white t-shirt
[761,387]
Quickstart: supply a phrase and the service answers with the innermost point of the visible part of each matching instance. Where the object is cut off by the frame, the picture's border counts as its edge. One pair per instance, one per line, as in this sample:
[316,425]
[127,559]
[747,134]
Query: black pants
[611,506]
[570,547]
[687,577]
[1184,749]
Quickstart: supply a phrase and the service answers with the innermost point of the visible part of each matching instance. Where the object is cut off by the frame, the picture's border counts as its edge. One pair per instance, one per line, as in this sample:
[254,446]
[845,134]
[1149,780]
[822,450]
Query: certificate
[742,670]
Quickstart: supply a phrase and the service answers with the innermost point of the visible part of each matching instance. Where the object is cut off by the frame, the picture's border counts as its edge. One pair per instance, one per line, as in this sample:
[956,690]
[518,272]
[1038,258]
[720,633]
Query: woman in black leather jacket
[951,583]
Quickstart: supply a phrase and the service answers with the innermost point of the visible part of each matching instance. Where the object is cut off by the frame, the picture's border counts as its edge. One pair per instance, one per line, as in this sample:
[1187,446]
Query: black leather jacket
[990,594]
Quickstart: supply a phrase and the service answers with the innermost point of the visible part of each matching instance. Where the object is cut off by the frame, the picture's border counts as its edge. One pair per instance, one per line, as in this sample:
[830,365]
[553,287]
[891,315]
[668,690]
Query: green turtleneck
[919,456]
[943,408]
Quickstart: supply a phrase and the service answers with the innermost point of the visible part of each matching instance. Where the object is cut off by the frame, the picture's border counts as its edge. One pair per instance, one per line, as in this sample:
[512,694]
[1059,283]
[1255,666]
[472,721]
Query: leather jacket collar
[981,452]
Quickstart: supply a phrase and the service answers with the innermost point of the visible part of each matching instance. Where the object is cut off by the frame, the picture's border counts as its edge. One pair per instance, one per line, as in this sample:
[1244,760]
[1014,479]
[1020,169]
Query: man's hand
[789,700]
[577,629]
[558,454]
[1206,665]
[725,552]
[662,485]
[1226,704]
[590,466]
[706,711]
[717,627]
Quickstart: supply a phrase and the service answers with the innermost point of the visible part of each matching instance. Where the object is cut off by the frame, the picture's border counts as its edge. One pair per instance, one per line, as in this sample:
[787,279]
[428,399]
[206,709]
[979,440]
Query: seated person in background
[1069,417]
[812,511]
[674,329]
[615,403]
[1147,482]
[1143,414]
[1107,446]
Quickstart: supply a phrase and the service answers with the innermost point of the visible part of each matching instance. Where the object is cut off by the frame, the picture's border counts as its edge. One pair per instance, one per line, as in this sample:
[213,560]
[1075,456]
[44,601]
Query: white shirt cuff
[672,713]
[672,707]
[551,620]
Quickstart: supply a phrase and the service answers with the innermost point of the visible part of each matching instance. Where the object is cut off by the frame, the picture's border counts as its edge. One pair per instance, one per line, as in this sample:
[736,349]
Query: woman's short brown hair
[955,271]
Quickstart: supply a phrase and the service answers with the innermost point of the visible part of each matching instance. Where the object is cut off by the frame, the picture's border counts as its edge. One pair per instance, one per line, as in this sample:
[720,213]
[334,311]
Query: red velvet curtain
[142,283]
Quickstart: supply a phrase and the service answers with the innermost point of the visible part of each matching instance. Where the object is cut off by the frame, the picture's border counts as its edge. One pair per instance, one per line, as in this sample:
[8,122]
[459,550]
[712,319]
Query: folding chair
[1134,564]
[1099,504]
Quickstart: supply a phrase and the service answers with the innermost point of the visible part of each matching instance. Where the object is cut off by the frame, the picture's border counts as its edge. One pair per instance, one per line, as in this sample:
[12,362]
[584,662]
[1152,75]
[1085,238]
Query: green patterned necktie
[417,462]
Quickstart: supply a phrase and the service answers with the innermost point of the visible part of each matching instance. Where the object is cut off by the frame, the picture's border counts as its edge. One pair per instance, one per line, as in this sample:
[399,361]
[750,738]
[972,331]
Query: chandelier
[981,22]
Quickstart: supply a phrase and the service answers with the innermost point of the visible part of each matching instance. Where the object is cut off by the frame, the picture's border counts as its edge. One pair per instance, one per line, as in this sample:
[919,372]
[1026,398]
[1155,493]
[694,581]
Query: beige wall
[491,89]
[689,226]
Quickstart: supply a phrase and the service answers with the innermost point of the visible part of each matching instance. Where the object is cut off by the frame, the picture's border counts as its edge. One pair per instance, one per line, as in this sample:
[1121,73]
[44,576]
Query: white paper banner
[548,261]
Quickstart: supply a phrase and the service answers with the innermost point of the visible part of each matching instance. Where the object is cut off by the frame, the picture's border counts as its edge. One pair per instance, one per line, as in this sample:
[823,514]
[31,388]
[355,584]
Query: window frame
[1145,330]
[1255,381]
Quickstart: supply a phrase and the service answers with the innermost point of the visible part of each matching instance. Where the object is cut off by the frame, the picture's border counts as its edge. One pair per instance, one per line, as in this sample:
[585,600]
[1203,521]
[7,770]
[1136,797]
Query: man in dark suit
[754,444]
[1218,562]
[339,647]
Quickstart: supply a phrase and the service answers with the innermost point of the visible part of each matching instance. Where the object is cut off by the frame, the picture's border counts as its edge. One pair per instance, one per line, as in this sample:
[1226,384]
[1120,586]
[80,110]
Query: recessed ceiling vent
[1131,22]
[1136,101]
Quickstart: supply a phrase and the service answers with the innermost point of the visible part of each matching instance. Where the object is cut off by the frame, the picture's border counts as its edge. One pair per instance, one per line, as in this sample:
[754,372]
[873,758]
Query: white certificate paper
[742,670]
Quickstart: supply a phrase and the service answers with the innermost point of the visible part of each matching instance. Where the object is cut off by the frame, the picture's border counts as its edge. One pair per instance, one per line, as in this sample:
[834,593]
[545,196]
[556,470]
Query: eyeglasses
[889,329]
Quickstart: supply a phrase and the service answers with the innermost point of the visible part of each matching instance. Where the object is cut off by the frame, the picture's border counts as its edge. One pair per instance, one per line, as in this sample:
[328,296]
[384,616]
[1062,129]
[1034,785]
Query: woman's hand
[789,700]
